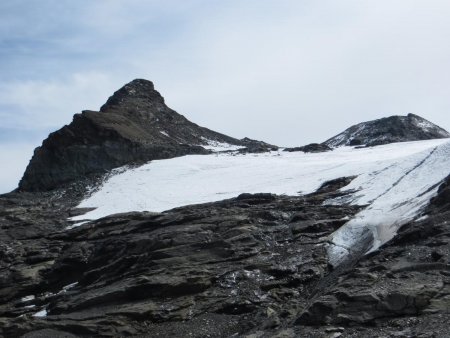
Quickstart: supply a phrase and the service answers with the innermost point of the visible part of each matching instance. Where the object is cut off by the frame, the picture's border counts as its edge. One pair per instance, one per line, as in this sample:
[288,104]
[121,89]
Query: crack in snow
[407,173]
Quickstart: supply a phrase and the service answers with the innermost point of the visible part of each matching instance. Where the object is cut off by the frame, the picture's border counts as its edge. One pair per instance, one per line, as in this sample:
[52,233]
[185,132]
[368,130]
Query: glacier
[394,182]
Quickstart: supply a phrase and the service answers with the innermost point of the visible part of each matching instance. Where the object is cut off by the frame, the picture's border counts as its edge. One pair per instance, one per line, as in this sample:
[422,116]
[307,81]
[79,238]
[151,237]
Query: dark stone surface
[133,127]
[336,184]
[256,146]
[310,148]
[388,130]
[440,203]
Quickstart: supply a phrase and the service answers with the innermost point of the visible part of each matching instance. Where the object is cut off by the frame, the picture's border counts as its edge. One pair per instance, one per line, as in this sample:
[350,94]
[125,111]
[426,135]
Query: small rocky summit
[388,130]
[134,126]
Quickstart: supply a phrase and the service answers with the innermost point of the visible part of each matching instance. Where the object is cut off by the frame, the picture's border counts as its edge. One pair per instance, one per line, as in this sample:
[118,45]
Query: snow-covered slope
[394,180]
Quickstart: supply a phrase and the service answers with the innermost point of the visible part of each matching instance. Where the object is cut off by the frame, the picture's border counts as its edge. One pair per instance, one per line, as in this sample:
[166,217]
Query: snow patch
[68,287]
[41,314]
[27,298]
[164,133]
[425,125]
[75,225]
[219,146]
[428,126]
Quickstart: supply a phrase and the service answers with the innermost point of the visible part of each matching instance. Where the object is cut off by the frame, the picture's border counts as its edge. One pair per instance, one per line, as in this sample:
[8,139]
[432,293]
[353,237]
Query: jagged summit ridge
[388,130]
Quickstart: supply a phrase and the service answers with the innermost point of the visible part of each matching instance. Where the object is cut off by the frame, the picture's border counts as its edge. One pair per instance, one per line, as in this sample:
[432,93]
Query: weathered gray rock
[388,130]
[255,146]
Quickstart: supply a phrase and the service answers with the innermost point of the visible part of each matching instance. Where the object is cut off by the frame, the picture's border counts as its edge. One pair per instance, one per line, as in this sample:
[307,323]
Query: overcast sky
[288,72]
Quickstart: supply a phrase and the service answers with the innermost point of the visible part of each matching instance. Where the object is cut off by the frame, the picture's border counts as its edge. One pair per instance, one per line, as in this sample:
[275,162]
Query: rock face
[388,130]
[134,126]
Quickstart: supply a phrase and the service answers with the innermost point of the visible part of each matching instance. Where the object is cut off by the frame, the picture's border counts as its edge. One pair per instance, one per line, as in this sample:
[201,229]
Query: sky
[288,72]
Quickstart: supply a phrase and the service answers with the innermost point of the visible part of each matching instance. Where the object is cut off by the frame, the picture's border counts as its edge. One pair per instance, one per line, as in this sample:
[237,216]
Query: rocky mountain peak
[388,130]
[134,126]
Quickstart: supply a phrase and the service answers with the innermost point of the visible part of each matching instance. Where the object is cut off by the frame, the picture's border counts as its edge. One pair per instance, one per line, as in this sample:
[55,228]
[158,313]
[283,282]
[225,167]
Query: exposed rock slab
[310,148]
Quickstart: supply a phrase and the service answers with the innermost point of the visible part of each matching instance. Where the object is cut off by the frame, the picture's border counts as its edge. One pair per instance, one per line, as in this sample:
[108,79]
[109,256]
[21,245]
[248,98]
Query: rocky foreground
[252,266]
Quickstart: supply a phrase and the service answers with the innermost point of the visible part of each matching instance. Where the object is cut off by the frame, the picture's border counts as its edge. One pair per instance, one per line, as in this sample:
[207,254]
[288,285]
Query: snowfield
[395,180]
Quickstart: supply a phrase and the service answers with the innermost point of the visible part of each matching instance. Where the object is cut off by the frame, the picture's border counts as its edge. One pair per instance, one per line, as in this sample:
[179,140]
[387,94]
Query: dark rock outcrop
[134,126]
[256,146]
[310,148]
[388,130]
[201,270]
[441,202]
